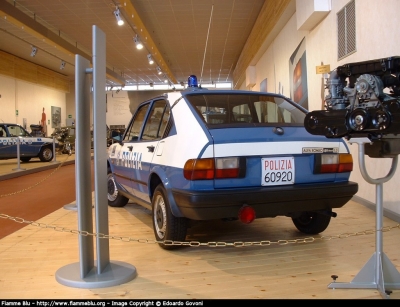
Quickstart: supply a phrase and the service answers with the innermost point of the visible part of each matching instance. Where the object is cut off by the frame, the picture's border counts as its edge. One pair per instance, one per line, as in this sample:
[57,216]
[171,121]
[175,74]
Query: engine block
[363,101]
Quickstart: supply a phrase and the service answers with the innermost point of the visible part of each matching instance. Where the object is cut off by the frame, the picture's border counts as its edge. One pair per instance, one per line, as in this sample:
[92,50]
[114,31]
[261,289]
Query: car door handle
[130,148]
[150,148]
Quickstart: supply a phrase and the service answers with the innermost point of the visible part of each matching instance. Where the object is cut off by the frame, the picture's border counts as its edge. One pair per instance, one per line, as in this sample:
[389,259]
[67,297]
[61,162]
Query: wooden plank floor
[30,257]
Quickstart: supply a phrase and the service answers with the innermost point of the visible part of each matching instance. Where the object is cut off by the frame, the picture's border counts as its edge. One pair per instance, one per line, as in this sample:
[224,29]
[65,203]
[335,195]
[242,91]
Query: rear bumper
[266,201]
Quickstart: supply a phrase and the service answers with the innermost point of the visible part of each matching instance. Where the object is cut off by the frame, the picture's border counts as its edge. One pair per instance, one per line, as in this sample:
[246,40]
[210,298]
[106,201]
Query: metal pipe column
[379,272]
[84,274]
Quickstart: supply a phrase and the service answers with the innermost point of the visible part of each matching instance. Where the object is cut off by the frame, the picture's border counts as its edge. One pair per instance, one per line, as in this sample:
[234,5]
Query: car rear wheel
[312,222]
[46,154]
[166,226]
[115,199]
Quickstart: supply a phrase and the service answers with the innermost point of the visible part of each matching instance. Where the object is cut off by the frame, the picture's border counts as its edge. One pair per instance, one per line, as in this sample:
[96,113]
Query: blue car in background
[30,146]
[203,154]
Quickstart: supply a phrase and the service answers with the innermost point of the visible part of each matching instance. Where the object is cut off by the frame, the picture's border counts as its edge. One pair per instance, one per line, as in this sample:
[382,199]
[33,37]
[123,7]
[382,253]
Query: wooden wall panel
[62,84]
[18,68]
[45,78]
[7,64]
[25,70]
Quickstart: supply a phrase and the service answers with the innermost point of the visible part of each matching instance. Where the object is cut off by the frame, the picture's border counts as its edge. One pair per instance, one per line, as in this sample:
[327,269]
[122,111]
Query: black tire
[166,226]
[46,154]
[115,199]
[312,222]
[25,159]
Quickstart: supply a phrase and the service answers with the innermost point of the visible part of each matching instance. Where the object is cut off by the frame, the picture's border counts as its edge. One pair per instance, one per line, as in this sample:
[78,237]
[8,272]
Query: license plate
[277,171]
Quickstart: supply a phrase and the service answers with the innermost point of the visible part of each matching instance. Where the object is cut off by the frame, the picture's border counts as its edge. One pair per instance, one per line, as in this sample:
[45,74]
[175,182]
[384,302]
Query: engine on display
[363,101]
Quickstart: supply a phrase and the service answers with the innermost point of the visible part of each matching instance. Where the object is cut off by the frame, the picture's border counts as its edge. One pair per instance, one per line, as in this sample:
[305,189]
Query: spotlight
[118,16]
[151,84]
[62,66]
[159,71]
[34,51]
[138,43]
[150,58]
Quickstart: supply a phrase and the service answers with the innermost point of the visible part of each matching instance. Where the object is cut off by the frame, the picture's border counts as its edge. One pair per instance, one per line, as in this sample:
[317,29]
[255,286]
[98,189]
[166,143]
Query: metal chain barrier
[197,243]
[37,183]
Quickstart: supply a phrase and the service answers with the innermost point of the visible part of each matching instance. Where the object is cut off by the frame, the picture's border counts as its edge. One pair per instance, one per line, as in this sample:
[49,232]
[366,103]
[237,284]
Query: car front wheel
[46,154]
[115,199]
[312,222]
[166,226]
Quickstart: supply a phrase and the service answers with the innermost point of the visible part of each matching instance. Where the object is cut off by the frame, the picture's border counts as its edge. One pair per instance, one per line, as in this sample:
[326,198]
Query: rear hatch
[275,155]
[266,131]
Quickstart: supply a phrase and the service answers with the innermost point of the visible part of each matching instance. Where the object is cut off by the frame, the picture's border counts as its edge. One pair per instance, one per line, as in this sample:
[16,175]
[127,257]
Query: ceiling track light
[34,51]
[159,71]
[62,66]
[138,43]
[150,58]
[117,14]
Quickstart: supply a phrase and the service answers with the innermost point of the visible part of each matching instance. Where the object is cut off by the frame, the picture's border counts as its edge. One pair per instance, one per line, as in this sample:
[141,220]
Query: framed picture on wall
[55,117]
[298,75]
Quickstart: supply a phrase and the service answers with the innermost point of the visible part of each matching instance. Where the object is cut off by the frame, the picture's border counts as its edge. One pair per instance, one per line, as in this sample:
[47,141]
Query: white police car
[227,154]
[29,146]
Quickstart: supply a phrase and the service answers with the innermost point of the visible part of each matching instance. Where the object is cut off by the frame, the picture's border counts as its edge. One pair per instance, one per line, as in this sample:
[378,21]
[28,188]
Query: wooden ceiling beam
[268,18]
[131,15]
[34,28]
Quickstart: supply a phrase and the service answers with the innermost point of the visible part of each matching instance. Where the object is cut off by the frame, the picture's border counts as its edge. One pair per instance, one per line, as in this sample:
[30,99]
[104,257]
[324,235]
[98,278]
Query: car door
[127,157]
[10,143]
[146,146]
[5,143]
[29,146]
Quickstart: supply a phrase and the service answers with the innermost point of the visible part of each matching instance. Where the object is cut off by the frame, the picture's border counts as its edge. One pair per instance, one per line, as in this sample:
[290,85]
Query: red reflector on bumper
[247,214]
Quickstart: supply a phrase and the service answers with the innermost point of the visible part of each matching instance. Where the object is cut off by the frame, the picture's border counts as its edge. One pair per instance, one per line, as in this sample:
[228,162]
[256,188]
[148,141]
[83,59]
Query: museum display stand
[379,272]
[88,273]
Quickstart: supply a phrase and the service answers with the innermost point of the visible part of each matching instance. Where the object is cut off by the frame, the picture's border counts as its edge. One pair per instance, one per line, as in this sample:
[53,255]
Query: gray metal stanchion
[18,157]
[379,272]
[86,274]
[54,150]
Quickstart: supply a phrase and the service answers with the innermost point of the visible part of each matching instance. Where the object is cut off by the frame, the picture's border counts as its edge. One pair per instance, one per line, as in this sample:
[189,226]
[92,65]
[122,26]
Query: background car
[30,146]
[227,154]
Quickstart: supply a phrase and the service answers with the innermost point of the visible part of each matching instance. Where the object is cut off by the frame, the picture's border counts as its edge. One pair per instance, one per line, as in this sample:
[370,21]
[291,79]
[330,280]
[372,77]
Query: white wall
[118,112]
[376,37]
[122,104]
[29,100]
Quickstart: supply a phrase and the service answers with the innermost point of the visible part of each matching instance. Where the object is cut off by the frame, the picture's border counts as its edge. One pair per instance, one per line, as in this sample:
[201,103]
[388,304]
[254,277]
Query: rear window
[242,109]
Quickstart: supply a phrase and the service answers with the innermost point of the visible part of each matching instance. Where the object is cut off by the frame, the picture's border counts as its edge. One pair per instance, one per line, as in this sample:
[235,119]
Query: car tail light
[210,168]
[333,163]
[197,169]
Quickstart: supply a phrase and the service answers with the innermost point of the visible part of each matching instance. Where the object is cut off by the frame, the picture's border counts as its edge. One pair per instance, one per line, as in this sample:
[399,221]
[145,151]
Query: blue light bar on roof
[192,81]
